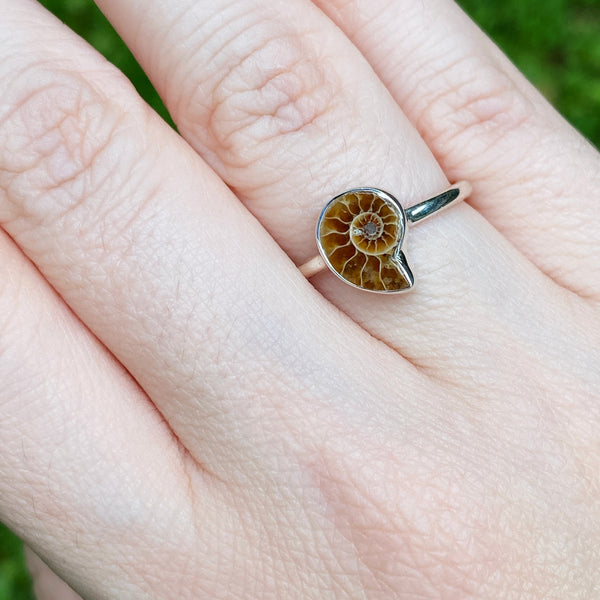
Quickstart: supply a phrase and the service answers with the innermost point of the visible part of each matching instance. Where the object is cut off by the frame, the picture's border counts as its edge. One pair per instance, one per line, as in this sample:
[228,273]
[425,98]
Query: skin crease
[182,415]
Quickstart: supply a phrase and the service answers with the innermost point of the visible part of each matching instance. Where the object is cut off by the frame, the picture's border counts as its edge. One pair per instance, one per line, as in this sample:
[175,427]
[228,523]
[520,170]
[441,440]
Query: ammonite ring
[360,235]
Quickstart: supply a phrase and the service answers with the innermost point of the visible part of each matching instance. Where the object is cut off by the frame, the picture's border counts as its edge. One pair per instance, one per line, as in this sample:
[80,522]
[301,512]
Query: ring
[360,235]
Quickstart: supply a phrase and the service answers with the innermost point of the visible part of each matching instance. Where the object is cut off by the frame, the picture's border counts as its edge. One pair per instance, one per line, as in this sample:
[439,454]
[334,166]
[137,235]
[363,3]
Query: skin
[183,415]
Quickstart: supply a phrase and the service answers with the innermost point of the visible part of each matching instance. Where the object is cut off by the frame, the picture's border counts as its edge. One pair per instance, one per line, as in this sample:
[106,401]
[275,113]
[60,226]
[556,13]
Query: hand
[183,415]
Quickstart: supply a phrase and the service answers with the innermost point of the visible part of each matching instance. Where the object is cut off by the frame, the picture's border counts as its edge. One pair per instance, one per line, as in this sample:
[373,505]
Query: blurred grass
[14,580]
[556,43]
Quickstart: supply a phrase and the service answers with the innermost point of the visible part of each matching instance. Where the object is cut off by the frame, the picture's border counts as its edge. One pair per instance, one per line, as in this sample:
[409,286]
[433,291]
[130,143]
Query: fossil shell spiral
[360,235]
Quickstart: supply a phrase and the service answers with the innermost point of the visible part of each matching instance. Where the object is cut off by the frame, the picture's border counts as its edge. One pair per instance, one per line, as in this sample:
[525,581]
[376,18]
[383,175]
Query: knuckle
[59,139]
[479,104]
[270,86]
[405,519]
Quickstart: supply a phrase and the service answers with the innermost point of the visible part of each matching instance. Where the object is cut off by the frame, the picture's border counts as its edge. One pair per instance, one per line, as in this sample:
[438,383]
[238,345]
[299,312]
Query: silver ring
[360,235]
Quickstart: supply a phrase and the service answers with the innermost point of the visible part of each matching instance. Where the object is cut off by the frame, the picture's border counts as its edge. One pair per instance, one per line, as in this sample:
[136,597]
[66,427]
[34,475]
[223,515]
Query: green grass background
[556,43]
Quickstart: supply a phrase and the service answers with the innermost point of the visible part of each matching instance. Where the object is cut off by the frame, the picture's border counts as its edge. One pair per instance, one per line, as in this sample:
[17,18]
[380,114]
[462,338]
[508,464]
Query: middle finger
[290,114]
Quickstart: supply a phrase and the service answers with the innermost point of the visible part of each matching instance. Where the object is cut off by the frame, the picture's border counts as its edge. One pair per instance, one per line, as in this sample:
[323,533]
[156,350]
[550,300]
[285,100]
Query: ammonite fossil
[360,234]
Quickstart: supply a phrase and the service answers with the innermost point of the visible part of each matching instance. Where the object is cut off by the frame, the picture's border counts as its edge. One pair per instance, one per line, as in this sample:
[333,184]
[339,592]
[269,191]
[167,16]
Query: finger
[46,584]
[535,178]
[84,456]
[159,259]
[290,114]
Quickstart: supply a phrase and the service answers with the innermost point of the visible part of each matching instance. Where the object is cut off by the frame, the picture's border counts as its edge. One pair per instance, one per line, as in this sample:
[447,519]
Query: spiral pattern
[359,234]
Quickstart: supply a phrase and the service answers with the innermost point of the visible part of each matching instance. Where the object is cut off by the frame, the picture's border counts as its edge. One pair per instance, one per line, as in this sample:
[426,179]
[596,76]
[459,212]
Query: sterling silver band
[414,214]
[422,210]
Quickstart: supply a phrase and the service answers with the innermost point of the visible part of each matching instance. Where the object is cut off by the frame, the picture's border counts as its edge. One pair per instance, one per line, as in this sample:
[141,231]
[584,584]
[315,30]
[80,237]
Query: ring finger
[290,114]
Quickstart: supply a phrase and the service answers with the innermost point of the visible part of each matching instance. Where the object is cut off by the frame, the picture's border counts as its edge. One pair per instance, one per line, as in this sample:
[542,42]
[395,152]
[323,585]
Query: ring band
[360,235]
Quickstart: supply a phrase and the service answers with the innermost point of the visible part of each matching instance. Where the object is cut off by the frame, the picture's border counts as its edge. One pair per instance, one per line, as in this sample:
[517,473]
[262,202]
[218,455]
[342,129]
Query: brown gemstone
[360,233]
